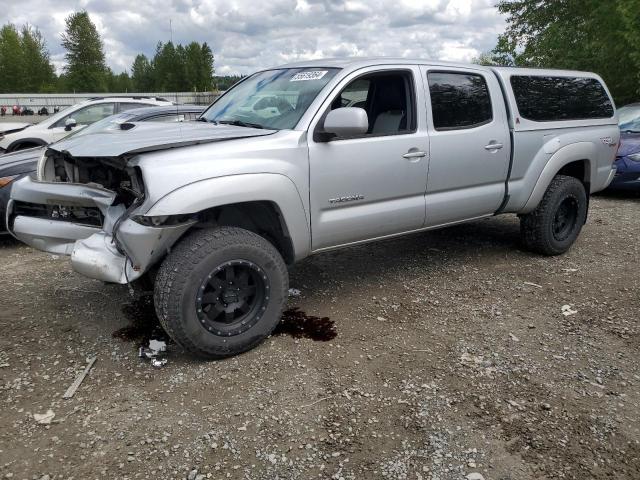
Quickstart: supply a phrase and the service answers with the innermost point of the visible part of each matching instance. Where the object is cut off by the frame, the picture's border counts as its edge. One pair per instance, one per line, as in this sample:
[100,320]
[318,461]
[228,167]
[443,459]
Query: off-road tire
[190,263]
[537,228]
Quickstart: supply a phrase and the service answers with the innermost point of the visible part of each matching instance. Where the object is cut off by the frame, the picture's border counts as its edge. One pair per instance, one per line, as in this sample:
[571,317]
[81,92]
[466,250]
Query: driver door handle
[412,155]
[493,146]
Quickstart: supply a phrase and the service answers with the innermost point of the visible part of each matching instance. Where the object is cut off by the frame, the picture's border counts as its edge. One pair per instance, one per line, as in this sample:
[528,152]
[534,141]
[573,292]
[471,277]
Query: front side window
[388,99]
[459,100]
[88,115]
[547,99]
[275,99]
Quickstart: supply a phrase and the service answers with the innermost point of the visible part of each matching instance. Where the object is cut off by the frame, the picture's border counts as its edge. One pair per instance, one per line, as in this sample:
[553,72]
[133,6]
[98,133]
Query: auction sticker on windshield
[314,75]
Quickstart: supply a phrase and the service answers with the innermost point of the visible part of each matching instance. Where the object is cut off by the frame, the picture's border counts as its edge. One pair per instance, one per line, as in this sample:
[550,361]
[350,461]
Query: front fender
[581,151]
[215,192]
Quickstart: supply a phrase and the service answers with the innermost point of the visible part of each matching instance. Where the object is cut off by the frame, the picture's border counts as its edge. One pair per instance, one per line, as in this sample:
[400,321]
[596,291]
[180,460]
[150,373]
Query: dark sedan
[628,157]
[24,162]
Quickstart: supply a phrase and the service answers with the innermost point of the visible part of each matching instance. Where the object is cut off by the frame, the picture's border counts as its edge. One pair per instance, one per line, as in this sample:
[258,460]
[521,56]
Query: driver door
[373,185]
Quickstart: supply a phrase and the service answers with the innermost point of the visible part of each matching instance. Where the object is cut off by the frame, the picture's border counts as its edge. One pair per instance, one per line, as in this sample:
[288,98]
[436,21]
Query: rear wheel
[220,292]
[556,222]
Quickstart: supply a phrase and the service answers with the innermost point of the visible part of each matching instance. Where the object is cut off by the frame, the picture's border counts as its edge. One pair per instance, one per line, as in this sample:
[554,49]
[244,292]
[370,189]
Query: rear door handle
[493,146]
[411,155]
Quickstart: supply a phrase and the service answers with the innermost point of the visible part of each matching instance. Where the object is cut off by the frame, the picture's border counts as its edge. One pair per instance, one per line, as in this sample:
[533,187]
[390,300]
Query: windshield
[629,118]
[275,99]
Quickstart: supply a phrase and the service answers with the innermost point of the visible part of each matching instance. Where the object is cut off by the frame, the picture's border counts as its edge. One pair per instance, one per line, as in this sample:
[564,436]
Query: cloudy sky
[249,34]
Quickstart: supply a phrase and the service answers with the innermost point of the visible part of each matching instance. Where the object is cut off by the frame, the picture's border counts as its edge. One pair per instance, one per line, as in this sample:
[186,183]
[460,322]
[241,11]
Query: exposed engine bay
[107,173]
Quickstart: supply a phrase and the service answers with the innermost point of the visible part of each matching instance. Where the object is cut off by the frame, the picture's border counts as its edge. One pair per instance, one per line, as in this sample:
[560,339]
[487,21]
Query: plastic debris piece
[151,352]
[44,418]
[568,310]
[159,362]
[294,292]
[158,345]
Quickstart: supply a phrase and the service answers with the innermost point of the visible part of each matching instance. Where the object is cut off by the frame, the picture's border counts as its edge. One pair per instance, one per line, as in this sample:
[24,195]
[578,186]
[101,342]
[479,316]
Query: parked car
[7,128]
[23,162]
[43,111]
[214,211]
[628,158]
[75,117]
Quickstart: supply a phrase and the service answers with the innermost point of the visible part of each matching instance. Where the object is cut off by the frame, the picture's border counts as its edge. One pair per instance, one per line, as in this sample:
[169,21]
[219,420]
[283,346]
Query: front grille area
[90,216]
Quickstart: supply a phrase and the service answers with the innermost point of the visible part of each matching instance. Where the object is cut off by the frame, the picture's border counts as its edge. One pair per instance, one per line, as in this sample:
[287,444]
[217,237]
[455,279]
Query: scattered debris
[294,292]
[531,284]
[475,476]
[151,351]
[513,337]
[76,384]
[569,270]
[159,362]
[568,310]
[44,418]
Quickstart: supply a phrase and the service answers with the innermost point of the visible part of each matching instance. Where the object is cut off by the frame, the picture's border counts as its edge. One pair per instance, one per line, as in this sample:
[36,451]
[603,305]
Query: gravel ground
[452,359]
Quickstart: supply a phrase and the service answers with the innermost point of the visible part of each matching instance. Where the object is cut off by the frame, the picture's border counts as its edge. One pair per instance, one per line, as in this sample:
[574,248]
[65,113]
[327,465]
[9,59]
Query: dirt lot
[452,357]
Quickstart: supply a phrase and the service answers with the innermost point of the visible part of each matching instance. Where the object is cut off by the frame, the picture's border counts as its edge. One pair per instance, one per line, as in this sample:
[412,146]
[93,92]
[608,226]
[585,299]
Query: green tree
[11,60]
[86,69]
[142,76]
[574,34]
[37,70]
[168,68]
[119,83]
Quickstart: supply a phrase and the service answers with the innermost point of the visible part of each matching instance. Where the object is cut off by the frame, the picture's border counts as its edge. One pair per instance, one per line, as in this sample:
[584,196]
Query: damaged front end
[85,207]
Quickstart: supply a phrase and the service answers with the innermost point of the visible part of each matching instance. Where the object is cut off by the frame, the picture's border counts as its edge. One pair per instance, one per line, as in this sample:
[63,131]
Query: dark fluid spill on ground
[144,322]
[298,324]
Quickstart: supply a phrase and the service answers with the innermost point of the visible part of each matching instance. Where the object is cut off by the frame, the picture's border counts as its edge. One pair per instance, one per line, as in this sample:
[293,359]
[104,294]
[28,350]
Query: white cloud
[246,35]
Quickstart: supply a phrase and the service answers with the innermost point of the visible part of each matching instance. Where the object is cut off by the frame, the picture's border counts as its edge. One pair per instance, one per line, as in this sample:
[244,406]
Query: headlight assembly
[40,168]
[635,157]
[4,181]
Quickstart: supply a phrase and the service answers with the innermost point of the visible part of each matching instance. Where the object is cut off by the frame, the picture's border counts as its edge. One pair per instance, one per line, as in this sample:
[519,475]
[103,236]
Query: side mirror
[69,123]
[346,122]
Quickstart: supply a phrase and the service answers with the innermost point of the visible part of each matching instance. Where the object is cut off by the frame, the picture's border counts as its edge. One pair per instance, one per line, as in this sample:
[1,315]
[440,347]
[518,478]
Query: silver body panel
[330,194]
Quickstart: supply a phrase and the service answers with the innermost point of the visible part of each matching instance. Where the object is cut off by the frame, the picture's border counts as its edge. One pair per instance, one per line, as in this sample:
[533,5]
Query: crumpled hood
[151,136]
[629,143]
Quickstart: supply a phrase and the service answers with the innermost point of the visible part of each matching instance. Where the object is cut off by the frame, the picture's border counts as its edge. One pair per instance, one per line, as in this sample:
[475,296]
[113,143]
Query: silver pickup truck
[309,157]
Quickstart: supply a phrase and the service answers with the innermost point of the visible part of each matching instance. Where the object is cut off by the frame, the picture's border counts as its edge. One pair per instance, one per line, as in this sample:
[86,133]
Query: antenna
[170,31]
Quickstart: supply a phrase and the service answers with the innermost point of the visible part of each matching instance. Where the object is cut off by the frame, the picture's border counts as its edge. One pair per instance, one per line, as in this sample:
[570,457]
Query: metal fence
[36,101]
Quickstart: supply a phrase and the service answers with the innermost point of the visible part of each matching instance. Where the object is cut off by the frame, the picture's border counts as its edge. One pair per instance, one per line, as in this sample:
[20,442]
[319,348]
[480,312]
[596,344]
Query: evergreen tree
[11,60]
[86,68]
[38,73]
[142,76]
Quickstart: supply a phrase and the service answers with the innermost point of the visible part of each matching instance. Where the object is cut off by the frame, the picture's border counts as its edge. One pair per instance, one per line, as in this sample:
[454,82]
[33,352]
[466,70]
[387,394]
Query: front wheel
[556,222]
[221,291]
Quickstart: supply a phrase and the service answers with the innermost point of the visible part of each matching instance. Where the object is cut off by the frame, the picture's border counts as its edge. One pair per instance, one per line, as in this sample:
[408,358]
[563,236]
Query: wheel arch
[573,160]
[267,204]
[36,142]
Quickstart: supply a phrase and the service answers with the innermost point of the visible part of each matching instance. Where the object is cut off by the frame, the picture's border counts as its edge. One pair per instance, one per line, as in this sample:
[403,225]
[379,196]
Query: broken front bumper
[94,251]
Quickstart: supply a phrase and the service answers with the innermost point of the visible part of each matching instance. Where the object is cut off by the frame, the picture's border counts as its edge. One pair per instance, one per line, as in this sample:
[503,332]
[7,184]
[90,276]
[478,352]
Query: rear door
[469,141]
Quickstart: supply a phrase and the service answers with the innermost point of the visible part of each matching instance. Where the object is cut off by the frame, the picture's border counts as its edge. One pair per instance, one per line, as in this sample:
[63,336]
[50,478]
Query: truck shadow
[433,250]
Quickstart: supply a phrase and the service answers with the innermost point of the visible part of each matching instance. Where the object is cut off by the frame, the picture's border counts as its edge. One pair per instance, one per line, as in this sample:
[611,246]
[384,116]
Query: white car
[72,118]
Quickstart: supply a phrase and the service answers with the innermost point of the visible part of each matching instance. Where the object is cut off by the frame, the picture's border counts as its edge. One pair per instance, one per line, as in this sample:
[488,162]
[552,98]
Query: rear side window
[547,99]
[459,100]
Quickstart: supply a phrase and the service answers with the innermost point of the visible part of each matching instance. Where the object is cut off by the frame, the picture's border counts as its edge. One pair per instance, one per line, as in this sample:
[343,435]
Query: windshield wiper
[240,123]
[202,119]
